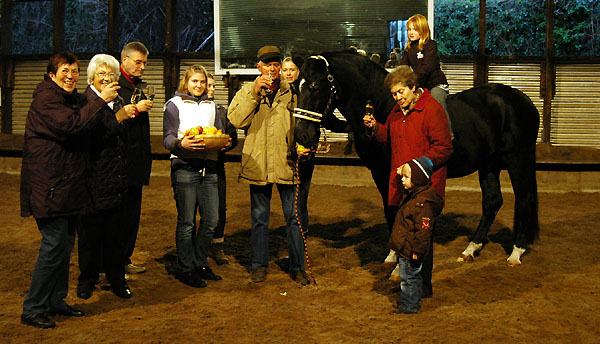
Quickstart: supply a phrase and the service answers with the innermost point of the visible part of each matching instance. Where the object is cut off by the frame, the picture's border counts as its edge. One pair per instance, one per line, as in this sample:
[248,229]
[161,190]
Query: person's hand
[126,112]
[369,121]
[144,105]
[192,144]
[261,82]
[415,257]
[227,145]
[303,152]
[110,92]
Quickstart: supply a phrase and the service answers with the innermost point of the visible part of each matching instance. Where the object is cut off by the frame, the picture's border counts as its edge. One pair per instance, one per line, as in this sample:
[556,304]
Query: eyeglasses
[69,71]
[137,62]
[103,75]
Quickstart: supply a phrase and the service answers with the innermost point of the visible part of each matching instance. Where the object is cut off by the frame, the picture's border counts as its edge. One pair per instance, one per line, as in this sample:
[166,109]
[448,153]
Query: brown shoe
[216,253]
[134,269]
[300,277]
[259,275]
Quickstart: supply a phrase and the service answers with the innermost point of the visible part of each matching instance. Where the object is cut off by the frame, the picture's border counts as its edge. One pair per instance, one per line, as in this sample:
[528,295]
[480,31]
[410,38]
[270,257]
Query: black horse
[495,127]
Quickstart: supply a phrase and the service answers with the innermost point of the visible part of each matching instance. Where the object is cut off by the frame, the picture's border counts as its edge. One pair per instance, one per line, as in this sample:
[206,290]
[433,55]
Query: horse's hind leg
[521,170]
[491,201]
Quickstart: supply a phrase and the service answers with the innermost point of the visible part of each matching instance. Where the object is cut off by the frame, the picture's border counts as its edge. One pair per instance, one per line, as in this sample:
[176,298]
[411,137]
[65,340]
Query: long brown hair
[419,22]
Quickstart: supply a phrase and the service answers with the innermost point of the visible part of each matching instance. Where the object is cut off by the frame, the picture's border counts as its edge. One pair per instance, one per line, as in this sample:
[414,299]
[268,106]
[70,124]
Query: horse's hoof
[515,257]
[513,262]
[465,258]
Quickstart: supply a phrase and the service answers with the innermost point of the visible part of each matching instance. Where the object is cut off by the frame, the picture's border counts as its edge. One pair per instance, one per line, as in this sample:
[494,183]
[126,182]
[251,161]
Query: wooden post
[58,38]
[548,73]
[112,40]
[170,60]
[7,70]
[480,72]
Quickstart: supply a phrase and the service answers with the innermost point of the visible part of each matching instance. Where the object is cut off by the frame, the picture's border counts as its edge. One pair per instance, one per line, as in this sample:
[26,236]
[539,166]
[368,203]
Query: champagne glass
[136,96]
[149,92]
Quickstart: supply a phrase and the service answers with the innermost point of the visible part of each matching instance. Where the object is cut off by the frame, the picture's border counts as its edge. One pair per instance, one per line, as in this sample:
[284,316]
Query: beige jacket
[269,144]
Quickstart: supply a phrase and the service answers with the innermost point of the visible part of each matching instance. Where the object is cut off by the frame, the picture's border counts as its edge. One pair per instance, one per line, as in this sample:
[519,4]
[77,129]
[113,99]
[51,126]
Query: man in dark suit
[134,58]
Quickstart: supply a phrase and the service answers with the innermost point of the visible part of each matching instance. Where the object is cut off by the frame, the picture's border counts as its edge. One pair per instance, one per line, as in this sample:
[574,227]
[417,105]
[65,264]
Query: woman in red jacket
[415,127]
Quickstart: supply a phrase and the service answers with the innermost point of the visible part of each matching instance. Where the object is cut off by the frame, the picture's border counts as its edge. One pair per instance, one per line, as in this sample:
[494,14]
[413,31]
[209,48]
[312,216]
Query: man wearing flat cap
[262,109]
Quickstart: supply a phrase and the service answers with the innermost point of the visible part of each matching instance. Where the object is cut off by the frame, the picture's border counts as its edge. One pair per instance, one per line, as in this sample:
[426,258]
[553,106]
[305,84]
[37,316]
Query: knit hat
[420,170]
[268,53]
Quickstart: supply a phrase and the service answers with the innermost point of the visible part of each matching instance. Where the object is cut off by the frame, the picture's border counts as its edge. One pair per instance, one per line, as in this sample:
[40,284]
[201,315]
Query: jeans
[440,95]
[50,279]
[192,190]
[410,272]
[260,200]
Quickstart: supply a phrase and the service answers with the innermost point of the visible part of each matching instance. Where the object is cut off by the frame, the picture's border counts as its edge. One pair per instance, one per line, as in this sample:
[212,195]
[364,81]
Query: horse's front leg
[491,201]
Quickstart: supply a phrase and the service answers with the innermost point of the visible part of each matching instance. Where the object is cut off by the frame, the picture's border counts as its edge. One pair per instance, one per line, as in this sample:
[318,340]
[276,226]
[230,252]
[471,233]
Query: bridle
[315,116]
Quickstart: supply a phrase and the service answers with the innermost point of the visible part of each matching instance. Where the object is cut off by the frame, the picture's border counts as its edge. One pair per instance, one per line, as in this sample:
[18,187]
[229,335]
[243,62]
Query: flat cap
[268,53]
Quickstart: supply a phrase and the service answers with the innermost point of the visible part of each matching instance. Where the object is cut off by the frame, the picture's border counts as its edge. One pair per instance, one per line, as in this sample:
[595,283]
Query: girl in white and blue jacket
[193,175]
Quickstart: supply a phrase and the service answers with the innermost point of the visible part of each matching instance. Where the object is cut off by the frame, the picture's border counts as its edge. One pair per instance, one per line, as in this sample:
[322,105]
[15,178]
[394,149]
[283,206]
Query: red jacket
[422,132]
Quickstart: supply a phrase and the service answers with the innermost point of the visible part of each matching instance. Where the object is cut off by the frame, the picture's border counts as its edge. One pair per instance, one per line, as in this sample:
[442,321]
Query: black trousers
[131,209]
[100,249]
[222,187]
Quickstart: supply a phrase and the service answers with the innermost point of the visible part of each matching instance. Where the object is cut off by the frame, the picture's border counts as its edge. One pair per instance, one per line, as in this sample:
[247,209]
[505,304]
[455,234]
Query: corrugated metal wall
[575,108]
[575,119]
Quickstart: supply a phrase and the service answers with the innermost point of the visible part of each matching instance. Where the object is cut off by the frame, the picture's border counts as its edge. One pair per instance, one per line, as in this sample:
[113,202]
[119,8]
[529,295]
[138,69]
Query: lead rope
[310,274]
[324,149]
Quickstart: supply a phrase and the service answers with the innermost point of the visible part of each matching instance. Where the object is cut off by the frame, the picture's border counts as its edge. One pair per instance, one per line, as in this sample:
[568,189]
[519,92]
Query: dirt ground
[554,297]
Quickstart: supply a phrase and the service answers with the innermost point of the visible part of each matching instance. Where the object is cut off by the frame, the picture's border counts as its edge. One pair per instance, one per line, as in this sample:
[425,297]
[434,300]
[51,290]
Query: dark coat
[415,220]
[137,141]
[426,63]
[422,132]
[228,129]
[55,152]
[108,170]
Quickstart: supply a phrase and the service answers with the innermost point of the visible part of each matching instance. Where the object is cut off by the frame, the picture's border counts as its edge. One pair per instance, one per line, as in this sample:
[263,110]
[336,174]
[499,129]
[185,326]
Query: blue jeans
[410,272]
[194,191]
[260,200]
[50,280]
[440,95]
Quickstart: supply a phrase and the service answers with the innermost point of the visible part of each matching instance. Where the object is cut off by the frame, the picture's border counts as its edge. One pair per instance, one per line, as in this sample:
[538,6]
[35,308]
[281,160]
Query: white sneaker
[395,275]
[391,259]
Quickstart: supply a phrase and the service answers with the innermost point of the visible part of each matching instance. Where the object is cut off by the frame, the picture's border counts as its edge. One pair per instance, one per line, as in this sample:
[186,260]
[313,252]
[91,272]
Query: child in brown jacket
[412,231]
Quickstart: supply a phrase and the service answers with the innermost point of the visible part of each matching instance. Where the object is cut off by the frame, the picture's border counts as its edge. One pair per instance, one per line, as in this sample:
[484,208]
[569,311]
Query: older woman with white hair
[99,241]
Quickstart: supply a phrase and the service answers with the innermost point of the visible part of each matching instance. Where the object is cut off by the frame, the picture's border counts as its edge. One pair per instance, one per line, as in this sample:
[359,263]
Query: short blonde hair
[191,70]
[402,74]
[100,60]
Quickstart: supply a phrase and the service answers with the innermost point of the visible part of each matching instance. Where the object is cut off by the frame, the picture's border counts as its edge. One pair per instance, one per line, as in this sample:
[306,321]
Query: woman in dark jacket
[53,182]
[99,243]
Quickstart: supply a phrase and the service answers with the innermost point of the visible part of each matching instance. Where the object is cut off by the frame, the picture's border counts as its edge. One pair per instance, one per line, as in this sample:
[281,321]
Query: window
[577,27]
[194,26]
[457,26]
[515,27]
[86,25]
[143,21]
[32,27]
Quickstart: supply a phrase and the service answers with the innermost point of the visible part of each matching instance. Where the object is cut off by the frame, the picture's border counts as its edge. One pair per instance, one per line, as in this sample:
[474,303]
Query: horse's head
[315,101]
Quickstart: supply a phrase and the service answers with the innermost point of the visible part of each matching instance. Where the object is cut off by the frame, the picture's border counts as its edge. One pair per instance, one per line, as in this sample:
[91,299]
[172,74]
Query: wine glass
[136,96]
[149,92]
